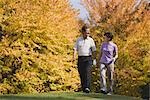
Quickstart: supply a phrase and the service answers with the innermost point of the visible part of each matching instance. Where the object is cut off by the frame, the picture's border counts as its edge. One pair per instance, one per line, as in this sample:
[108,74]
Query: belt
[84,56]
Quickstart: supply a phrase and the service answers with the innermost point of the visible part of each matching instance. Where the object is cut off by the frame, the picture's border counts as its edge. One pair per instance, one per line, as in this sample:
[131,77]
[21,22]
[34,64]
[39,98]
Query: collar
[86,38]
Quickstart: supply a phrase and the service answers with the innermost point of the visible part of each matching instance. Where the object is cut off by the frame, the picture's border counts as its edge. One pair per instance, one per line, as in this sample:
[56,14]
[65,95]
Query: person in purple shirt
[107,57]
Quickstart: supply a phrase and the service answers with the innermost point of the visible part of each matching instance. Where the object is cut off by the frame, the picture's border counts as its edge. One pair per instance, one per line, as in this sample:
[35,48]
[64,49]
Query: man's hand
[74,55]
[73,59]
[94,62]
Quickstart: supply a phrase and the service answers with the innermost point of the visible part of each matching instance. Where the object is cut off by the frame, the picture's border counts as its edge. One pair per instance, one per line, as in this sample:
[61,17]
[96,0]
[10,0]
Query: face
[85,34]
[106,39]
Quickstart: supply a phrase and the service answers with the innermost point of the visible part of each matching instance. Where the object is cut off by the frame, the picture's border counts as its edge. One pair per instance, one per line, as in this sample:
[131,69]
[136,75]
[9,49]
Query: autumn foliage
[36,41]
[36,46]
[131,28]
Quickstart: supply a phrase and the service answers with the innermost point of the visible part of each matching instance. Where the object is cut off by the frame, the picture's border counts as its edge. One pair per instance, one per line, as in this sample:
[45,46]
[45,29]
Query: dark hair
[109,35]
[84,28]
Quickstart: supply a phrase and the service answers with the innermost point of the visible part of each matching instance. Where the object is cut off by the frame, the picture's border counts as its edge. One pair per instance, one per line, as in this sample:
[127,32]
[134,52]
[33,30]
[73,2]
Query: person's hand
[114,59]
[73,59]
[94,62]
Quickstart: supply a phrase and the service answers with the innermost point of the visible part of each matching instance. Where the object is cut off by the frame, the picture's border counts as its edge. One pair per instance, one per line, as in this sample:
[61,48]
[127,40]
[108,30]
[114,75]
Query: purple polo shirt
[108,50]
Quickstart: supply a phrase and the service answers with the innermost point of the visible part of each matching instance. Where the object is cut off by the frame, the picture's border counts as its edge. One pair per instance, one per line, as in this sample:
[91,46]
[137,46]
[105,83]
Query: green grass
[65,96]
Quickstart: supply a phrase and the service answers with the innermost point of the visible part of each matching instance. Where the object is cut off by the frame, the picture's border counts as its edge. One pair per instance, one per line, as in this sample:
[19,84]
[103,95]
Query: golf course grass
[65,96]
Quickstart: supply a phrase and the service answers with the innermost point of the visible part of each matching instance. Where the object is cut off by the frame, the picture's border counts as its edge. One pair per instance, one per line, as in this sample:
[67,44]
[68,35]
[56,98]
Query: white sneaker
[109,93]
[87,90]
[104,92]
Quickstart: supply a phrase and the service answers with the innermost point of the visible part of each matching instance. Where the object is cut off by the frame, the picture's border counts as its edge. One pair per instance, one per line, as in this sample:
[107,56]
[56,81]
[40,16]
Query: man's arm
[75,51]
[93,49]
[74,54]
[94,55]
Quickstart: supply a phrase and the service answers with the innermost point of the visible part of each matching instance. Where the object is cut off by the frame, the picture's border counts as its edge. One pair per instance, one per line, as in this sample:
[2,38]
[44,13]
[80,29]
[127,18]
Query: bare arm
[93,49]
[74,55]
[116,53]
[94,55]
[75,51]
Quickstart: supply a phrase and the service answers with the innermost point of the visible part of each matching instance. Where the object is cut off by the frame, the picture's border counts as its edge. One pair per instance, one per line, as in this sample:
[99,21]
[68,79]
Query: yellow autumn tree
[131,28]
[36,46]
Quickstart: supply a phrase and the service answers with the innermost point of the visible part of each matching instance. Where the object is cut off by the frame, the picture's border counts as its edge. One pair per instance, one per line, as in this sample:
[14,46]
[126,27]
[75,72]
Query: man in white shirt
[85,47]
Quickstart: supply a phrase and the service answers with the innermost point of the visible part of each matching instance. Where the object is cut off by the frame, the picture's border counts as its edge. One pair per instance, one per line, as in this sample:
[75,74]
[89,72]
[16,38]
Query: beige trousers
[110,70]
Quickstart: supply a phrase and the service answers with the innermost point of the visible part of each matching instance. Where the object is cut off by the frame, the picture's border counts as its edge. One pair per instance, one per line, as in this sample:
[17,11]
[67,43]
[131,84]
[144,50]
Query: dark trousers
[84,69]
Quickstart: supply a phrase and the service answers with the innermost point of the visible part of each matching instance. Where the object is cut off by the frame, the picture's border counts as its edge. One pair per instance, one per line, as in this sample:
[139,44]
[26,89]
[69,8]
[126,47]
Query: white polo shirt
[85,47]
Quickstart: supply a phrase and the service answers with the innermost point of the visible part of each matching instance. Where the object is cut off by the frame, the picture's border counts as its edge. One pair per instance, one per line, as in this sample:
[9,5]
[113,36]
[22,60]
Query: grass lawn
[65,96]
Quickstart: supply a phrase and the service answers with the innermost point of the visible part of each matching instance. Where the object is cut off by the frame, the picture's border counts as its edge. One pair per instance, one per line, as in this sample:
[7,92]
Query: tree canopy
[36,46]
[131,31]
